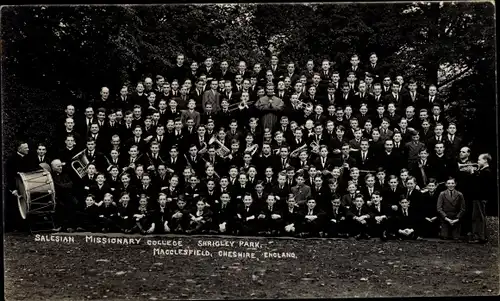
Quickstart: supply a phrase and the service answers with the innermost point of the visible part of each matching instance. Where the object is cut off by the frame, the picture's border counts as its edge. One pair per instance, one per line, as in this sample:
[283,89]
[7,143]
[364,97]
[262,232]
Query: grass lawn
[322,268]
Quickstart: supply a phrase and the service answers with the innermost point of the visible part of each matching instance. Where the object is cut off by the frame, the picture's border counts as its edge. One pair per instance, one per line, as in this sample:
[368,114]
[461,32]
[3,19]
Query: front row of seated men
[439,213]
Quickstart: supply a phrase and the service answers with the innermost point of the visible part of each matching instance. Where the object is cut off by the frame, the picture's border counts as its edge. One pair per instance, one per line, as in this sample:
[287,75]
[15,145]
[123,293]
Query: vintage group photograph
[249,151]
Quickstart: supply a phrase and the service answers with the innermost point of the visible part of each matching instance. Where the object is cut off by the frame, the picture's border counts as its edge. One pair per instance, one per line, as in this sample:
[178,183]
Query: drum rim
[27,195]
[23,210]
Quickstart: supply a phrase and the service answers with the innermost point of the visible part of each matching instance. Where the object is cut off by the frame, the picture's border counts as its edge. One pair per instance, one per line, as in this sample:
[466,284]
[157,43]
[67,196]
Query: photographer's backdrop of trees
[56,55]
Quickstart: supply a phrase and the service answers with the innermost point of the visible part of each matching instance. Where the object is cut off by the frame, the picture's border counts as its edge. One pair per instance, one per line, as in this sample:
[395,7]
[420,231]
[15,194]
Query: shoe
[70,230]
[58,229]
[267,233]
[366,236]
[80,229]
[104,230]
[261,233]
[383,237]
[358,237]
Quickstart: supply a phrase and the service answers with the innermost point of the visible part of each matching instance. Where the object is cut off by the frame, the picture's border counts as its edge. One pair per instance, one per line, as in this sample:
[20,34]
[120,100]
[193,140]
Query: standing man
[66,203]
[485,191]
[269,106]
[19,162]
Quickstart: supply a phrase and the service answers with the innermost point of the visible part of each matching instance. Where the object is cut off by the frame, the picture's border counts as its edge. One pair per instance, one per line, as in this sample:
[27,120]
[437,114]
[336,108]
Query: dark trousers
[199,227]
[66,214]
[334,229]
[377,229]
[429,229]
[271,224]
[479,219]
[358,228]
[311,227]
[450,231]
[246,227]
[109,223]
[13,219]
[179,225]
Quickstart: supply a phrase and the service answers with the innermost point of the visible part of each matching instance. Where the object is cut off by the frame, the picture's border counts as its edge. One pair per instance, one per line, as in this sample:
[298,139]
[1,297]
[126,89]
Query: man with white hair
[104,101]
[66,203]
[148,85]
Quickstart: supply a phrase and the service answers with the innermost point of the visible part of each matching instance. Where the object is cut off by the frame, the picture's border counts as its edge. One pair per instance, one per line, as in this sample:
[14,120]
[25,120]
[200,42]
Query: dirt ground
[322,268]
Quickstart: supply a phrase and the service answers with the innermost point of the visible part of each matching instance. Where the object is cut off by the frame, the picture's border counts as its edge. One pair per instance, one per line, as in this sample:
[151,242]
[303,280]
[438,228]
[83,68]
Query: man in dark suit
[365,158]
[312,220]
[355,68]
[65,199]
[104,101]
[394,96]
[432,99]
[208,69]
[224,73]
[413,98]
[362,96]
[374,67]
[19,162]
[180,70]
[451,208]
[390,160]
[291,73]
[275,69]
[242,70]
[452,142]
[386,85]
[325,74]
[485,187]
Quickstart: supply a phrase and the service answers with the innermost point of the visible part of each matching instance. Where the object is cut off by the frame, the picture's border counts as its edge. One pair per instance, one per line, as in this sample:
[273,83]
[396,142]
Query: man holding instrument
[485,191]
[19,162]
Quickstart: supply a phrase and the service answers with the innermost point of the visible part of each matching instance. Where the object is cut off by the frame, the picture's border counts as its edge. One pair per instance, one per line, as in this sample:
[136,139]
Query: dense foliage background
[54,55]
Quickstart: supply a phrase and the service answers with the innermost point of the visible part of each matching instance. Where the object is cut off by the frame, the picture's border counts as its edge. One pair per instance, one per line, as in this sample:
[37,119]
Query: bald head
[148,81]
[56,165]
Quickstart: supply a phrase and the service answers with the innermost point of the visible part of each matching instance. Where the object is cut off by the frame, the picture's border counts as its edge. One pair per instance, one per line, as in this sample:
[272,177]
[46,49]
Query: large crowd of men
[269,151]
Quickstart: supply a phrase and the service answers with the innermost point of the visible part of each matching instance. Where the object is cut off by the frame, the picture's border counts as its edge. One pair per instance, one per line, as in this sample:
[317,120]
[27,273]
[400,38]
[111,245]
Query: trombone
[240,105]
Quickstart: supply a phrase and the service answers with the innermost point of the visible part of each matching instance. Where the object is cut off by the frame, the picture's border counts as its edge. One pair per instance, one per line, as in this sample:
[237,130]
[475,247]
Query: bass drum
[36,200]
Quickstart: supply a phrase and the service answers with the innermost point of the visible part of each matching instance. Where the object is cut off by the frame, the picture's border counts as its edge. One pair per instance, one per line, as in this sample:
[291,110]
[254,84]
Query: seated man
[336,219]
[291,216]
[246,216]
[270,218]
[381,216]
[311,220]
[359,218]
[200,218]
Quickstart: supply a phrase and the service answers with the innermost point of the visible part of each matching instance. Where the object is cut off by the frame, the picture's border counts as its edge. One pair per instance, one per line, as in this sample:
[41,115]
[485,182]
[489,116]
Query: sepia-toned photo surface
[249,151]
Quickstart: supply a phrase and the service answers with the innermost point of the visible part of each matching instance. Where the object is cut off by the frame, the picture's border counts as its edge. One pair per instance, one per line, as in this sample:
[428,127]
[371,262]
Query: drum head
[22,201]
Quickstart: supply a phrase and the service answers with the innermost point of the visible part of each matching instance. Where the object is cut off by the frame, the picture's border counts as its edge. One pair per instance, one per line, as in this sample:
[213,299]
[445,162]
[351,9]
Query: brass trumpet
[463,165]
